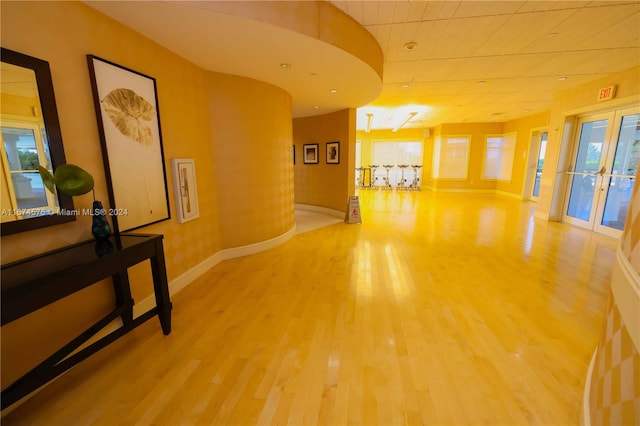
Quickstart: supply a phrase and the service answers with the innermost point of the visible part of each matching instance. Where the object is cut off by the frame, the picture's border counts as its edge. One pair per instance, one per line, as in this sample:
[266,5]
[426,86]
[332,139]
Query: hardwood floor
[439,309]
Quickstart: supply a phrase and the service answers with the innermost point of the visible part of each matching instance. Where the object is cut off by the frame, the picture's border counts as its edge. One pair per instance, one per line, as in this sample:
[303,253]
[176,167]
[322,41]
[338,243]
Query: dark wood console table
[32,283]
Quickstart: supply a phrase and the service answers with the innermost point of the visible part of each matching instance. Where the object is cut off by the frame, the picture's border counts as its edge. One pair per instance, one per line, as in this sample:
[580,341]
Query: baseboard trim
[175,285]
[234,252]
[318,209]
[625,285]
[180,282]
[585,417]
[541,215]
[505,194]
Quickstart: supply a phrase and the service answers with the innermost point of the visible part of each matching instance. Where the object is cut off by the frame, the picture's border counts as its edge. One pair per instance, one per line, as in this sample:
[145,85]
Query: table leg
[161,288]
[122,291]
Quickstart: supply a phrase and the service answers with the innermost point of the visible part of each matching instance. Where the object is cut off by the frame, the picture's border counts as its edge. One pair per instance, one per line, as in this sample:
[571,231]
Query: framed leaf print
[126,105]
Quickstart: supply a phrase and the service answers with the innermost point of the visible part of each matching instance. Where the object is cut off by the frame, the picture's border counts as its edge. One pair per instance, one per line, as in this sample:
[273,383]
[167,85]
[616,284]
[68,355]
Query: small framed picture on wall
[333,152]
[310,153]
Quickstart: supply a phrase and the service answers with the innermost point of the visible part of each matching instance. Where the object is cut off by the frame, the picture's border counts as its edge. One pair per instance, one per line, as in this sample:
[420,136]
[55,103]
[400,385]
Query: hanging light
[405,121]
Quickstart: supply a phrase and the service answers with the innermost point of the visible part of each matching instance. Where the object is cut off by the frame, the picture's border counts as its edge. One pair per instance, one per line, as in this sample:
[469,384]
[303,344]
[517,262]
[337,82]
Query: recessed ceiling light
[411,45]
[404,86]
[481,82]
[285,65]
[333,90]
[562,78]
[316,107]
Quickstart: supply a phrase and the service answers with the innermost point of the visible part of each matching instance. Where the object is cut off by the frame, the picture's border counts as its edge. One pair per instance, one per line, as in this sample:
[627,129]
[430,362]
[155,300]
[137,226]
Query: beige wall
[251,134]
[566,106]
[215,119]
[478,133]
[322,184]
[522,128]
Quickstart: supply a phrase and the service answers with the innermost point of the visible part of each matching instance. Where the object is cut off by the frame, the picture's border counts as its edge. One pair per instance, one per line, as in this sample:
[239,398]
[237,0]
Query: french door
[604,169]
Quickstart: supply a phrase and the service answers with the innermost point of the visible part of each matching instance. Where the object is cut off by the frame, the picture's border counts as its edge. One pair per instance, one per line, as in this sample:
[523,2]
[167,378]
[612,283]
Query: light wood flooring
[440,309]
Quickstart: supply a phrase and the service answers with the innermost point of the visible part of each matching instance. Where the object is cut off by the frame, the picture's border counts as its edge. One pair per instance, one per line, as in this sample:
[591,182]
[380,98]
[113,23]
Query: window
[25,148]
[450,157]
[395,154]
[498,157]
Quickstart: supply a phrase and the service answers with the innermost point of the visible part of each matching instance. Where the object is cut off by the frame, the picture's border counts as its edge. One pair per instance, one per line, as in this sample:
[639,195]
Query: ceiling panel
[470,9]
[519,48]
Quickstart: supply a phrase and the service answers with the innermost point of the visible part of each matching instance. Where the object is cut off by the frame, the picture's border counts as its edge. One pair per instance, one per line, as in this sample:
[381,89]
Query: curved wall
[317,19]
[325,185]
[251,132]
[612,394]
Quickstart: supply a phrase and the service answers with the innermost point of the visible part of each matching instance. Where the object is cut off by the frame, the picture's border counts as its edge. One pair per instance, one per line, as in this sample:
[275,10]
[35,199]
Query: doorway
[603,170]
[535,163]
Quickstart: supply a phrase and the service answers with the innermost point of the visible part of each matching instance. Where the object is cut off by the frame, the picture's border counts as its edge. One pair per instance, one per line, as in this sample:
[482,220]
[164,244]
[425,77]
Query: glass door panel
[587,164]
[622,163]
[604,171]
[539,165]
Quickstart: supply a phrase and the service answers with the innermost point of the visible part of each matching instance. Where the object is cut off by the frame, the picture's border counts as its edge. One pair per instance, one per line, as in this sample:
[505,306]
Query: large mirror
[30,134]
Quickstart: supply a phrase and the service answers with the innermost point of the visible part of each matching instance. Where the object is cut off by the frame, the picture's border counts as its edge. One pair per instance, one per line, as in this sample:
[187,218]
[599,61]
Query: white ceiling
[209,35]
[519,49]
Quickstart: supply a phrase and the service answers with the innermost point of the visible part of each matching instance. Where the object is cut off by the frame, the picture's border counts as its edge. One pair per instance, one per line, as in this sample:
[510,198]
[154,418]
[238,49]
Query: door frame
[605,180]
[564,130]
[535,137]
[568,154]
[589,224]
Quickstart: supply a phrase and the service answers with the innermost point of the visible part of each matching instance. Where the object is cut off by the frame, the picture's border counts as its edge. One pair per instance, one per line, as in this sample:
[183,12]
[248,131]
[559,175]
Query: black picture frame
[310,153]
[127,111]
[333,153]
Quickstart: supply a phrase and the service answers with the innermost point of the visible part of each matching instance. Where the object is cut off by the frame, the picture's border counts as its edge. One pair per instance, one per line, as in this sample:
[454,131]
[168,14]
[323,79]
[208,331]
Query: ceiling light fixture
[316,107]
[405,121]
[481,82]
[411,45]
[333,90]
[562,78]
[405,86]
[285,65]
[369,118]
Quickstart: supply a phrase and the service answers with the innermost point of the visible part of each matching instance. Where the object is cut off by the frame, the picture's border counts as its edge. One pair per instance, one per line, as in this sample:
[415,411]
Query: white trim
[617,103]
[318,209]
[585,417]
[178,283]
[465,191]
[505,194]
[175,286]
[625,284]
[234,252]
[192,274]
[543,215]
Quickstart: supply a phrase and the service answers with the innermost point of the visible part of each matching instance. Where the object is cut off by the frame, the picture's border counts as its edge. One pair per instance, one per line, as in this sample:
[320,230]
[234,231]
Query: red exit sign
[606,93]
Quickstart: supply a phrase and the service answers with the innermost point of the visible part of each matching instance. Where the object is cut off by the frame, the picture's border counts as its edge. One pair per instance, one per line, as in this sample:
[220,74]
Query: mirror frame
[54,136]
